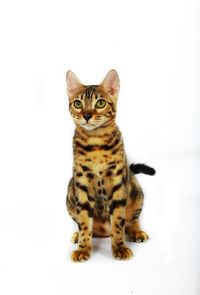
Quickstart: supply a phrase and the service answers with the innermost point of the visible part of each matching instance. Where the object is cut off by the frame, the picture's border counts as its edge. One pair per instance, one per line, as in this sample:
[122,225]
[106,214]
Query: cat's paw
[80,256]
[75,237]
[137,236]
[122,253]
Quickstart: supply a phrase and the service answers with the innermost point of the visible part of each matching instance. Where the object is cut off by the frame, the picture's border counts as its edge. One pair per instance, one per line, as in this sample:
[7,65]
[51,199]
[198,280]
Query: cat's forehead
[91,92]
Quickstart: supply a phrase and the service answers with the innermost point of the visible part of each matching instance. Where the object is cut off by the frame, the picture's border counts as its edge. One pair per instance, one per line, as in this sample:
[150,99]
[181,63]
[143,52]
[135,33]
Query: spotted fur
[104,197]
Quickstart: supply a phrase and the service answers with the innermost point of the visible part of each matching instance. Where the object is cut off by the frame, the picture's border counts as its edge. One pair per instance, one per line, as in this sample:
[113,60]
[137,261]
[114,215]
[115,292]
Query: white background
[154,46]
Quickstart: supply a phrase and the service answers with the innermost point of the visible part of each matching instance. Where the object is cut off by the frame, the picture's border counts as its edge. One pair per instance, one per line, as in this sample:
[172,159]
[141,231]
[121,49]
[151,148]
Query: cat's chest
[97,155]
[99,164]
[96,162]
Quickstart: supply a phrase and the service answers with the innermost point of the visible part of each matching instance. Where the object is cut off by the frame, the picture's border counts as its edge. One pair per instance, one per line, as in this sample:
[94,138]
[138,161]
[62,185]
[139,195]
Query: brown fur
[104,197]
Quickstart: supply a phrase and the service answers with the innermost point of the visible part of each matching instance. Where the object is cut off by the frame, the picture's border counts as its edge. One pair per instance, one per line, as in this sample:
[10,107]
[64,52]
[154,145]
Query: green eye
[78,104]
[100,103]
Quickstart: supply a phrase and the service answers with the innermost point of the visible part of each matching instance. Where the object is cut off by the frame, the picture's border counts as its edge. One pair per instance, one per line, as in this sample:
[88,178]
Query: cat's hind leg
[133,210]
[135,234]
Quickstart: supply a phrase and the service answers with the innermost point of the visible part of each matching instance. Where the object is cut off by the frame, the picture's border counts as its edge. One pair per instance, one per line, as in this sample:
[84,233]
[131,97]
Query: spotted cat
[104,197]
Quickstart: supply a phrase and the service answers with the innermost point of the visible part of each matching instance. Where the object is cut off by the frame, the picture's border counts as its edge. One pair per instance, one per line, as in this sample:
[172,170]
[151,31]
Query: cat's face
[93,106]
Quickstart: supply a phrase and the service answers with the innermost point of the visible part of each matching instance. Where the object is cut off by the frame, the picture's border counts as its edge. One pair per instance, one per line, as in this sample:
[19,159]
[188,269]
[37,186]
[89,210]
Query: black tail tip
[142,168]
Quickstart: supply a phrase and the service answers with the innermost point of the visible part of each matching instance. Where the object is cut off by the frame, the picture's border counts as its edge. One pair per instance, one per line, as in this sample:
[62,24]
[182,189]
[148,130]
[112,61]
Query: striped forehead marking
[90,91]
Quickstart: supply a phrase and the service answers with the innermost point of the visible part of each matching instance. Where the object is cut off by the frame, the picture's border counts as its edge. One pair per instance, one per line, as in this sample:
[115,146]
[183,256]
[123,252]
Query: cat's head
[93,106]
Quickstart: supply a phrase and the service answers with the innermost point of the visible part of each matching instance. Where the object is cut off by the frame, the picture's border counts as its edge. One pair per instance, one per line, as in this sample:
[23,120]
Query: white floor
[35,240]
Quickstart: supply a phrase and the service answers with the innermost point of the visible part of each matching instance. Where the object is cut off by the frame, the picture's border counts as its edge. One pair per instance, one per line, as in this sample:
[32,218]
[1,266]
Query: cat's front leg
[84,216]
[117,212]
[85,238]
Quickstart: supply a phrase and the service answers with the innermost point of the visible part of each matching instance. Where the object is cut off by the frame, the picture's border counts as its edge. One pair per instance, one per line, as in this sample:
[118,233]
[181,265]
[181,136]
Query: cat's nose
[87,116]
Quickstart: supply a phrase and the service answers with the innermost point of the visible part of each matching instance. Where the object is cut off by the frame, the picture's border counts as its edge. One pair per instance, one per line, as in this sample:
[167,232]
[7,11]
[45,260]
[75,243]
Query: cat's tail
[142,168]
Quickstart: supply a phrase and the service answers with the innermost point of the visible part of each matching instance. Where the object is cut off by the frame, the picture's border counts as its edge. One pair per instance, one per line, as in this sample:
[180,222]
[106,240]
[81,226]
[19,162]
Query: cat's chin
[89,126]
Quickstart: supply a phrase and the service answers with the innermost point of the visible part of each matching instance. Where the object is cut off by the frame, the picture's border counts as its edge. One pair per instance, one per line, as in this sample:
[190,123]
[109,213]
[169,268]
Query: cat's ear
[73,83]
[111,83]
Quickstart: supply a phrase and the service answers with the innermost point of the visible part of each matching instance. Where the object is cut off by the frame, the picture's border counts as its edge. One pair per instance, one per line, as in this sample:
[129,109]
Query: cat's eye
[100,103]
[78,104]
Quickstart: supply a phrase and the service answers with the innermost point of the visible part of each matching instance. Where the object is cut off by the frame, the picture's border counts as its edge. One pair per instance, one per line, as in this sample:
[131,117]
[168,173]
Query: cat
[104,197]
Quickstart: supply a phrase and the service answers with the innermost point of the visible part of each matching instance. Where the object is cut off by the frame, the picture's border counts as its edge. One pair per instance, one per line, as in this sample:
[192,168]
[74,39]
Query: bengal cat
[104,197]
